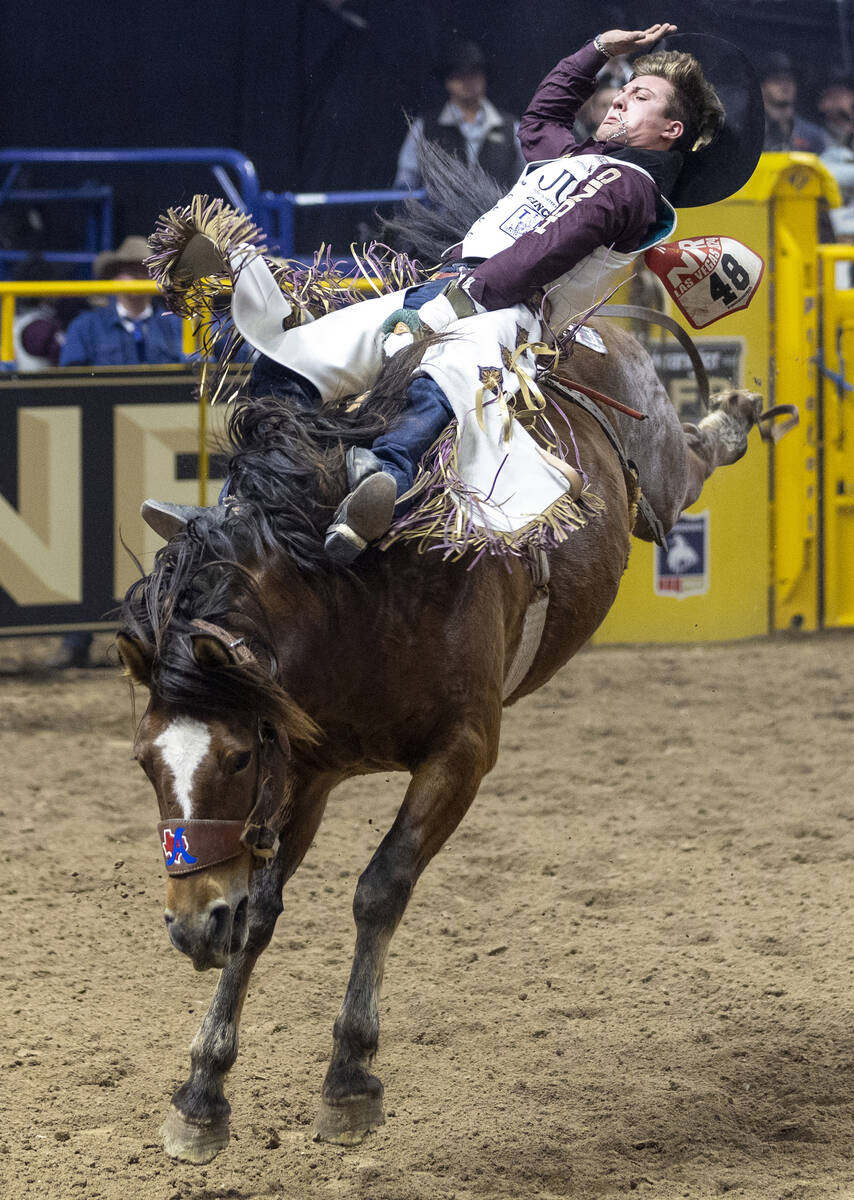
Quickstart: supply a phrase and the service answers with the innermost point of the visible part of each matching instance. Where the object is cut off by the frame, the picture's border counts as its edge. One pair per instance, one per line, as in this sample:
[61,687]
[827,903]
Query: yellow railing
[12,291]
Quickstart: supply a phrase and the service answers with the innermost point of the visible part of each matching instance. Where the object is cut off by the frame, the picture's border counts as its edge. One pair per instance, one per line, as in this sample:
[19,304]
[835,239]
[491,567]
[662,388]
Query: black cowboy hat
[726,164]
[465,59]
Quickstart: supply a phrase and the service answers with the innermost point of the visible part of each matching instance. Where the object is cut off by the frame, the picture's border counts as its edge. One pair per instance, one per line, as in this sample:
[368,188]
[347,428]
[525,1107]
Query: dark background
[316,103]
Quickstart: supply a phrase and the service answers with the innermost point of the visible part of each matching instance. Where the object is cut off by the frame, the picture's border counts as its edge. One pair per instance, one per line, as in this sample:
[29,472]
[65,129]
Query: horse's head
[221,776]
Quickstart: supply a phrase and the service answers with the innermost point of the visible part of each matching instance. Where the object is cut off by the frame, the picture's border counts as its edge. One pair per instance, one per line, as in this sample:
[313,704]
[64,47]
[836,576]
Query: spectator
[468,125]
[836,105]
[37,331]
[785,128]
[127,331]
[130,329]
[593,111]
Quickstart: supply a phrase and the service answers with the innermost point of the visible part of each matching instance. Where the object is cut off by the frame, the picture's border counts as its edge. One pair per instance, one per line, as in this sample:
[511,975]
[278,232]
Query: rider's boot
[258,308]
[366,512]
[169,519]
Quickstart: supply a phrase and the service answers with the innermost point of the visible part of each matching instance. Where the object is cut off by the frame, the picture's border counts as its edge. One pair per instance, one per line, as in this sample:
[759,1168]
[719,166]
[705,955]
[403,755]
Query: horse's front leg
[439,793]
[197,1126]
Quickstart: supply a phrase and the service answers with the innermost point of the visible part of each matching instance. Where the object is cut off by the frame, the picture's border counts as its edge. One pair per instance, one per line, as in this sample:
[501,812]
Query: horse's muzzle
[211,936]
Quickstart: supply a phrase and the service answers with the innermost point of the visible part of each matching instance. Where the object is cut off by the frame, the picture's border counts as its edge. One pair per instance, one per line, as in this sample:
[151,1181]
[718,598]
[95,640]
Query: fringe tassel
[314,289]
[226,227]
[450,518]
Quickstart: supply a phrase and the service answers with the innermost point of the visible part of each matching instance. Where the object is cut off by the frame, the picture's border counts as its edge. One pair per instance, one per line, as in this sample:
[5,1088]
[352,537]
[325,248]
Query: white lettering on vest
[590,188]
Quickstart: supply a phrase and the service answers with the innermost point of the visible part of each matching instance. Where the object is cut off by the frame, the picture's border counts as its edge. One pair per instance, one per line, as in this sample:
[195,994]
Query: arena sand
[630,970]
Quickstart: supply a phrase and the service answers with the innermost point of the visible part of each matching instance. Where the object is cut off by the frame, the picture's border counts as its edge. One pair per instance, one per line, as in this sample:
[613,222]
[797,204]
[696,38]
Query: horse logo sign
[682,565]
[176,847]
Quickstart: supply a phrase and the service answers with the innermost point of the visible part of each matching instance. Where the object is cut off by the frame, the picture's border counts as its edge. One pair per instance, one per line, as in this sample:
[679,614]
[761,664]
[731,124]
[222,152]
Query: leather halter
[196,844]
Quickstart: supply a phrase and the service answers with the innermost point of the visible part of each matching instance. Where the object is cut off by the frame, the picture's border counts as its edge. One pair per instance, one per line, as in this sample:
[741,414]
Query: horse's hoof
[190,1142]
[349,1123]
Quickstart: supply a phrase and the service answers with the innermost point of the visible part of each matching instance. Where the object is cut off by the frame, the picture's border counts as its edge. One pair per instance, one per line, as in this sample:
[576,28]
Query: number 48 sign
[708,278]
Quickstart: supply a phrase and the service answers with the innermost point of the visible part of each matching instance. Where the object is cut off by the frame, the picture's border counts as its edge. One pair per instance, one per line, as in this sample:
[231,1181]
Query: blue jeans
[400,449]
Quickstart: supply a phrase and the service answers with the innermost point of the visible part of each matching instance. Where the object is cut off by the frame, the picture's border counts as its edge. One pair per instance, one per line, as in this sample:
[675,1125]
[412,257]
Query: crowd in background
[135,330]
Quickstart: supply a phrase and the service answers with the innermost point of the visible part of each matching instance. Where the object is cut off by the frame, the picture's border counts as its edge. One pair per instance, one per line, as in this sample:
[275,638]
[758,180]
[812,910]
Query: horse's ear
[210,651]
[137,657]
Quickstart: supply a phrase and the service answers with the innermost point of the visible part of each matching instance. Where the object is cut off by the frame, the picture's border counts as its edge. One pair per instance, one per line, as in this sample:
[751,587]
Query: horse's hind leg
[439,794]
[720,438]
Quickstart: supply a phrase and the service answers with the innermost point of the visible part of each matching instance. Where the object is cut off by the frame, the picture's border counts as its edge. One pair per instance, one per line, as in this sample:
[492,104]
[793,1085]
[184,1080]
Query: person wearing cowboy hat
[468,126]
[129,329]
[569,228]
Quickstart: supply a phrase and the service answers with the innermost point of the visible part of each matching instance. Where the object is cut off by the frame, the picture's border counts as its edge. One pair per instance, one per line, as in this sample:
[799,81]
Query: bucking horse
[273,675]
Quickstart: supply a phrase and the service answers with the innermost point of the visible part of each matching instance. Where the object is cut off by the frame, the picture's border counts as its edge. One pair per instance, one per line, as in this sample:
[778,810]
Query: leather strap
[653,317]
[194,844]
[630,470]
[238,645]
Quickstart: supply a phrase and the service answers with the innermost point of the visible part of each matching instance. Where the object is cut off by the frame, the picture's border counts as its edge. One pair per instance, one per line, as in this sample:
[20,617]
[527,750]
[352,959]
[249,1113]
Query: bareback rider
[569,227]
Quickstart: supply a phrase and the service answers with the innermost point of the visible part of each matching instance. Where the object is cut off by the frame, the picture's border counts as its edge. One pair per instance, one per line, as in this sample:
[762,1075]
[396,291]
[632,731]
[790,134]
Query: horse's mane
[286,472]
[457,194]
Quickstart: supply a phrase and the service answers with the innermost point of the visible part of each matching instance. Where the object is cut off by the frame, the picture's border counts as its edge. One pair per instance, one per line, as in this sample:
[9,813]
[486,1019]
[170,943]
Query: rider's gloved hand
[401,328]
[406,325]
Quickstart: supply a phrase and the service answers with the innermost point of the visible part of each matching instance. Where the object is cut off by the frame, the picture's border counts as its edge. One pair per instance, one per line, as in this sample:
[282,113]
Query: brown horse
[272,678]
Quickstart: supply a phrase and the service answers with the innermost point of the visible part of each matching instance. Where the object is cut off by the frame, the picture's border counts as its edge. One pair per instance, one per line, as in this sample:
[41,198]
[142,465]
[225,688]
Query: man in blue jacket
[130,329]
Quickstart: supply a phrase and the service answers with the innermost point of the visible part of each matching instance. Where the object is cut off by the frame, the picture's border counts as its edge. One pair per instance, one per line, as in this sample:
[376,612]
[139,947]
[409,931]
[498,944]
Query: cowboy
[468,125]
[130,328]
[571,225]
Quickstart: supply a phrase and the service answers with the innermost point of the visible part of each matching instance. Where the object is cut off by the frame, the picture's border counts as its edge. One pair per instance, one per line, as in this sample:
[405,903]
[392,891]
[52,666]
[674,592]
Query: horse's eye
[241,761]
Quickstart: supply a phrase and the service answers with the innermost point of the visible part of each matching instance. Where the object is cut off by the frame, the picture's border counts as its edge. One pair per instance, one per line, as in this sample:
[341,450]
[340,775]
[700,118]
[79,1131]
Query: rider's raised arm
[545,130]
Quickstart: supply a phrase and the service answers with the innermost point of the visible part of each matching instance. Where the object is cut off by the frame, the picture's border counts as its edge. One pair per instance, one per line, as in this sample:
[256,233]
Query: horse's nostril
[218,925]
[168,918]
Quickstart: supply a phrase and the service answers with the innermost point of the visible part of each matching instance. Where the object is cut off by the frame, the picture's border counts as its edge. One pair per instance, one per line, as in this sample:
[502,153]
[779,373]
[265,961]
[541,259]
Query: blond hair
[693,100]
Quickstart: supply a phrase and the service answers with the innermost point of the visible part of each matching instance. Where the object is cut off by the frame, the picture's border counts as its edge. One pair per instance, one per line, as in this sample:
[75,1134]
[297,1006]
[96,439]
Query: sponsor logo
[176,848]
[682,566]
[708,277]
[523,220]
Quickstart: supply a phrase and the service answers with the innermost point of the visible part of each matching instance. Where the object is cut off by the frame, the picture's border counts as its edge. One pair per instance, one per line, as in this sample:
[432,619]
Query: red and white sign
[707,278]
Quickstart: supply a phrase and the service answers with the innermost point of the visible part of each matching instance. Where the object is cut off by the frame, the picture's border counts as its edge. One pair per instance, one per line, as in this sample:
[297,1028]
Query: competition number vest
[540,190]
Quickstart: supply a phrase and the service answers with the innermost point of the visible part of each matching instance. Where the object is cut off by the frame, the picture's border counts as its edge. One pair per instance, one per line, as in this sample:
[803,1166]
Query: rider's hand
[624,41]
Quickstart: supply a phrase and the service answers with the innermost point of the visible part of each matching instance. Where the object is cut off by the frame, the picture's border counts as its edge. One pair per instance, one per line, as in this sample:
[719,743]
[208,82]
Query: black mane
[286,471]
[457,194]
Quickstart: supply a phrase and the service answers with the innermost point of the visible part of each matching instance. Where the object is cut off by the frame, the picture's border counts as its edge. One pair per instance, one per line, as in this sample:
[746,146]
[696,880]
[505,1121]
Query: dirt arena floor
[630,971]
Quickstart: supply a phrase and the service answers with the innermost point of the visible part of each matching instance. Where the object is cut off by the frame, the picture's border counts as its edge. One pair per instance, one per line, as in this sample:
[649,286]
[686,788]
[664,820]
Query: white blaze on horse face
[183,744]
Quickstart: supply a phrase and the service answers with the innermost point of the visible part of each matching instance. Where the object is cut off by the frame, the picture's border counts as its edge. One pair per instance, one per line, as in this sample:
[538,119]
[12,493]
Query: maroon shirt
[618,215]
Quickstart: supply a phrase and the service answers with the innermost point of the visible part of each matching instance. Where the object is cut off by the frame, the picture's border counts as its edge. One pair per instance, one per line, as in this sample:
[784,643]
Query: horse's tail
[457,194]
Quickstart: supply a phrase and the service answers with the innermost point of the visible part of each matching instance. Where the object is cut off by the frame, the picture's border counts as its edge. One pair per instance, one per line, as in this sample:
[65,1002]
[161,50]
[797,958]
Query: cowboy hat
[132,251]
[725,165]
